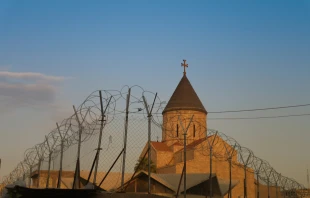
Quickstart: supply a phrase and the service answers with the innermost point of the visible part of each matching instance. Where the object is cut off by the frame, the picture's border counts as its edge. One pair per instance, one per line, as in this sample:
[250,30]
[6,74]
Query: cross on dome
[184,65]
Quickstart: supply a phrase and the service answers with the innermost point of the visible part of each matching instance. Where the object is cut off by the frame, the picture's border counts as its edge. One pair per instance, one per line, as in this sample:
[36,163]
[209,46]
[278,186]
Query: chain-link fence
[105,143]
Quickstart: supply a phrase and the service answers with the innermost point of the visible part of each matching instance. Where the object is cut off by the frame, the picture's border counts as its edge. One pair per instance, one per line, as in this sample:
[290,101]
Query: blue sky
[241,54]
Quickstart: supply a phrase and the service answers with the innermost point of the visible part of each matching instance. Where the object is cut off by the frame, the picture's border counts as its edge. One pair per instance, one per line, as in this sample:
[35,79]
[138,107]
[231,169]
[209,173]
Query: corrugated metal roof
[192,179]
[172,180]
[224,185]
[113,180]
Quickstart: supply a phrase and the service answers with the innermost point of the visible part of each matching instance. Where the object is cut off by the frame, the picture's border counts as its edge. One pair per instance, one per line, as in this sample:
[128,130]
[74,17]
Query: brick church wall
[263,191]
[171,120]
[220,166]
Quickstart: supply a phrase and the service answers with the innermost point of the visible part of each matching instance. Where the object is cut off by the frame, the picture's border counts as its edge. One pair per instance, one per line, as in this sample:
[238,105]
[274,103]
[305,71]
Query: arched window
[177,130]
[194,130]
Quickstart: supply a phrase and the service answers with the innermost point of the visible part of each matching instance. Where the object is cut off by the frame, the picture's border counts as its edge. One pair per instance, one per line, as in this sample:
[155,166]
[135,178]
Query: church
[168,154]
[183,116]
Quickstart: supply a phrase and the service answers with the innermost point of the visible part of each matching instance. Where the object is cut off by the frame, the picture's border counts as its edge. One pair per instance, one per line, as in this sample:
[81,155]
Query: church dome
[184,98]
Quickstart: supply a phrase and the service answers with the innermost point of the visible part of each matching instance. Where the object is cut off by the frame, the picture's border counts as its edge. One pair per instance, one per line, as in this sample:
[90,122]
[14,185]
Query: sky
[241,55]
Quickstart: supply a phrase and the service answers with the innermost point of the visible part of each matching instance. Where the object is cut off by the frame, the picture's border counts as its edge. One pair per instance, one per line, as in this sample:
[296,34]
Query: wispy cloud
[5,67]
[31,76]
[28,89]
[28,92]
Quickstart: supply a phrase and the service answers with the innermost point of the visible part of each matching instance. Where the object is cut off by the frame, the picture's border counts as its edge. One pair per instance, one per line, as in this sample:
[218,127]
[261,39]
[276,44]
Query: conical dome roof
[184,98]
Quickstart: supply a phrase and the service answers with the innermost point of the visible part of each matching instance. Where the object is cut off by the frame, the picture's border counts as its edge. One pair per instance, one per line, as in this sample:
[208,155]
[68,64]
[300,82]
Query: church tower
[183,104]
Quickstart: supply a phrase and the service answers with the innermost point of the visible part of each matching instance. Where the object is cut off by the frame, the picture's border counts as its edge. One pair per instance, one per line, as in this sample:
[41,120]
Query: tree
[144,165]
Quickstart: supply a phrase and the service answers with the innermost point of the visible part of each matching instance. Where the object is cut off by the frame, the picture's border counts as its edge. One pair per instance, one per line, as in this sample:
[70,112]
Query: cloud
[28,92]
[31,76]
[28,89]
[5,67]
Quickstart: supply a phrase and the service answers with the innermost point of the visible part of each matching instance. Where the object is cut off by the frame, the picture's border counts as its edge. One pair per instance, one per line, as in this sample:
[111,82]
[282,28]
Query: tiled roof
[195,143]
[184,98]
[177,144]
[160,146]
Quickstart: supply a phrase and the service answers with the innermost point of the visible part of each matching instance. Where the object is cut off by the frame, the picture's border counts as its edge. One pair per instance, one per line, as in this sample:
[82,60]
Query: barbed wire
[89,114]
[243,157]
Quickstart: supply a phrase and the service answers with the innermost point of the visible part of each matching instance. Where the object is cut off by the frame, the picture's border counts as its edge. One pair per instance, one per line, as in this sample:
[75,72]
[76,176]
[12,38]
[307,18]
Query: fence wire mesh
[101,122]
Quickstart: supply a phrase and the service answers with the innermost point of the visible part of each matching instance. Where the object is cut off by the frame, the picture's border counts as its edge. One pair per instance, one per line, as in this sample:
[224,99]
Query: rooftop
[184,98]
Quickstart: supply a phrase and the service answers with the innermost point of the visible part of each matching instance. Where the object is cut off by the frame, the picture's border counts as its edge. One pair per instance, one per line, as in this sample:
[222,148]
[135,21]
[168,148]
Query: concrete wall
[53,178]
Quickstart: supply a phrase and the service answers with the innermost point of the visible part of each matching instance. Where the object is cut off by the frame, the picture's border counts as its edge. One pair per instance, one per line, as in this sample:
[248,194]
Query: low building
[197,185]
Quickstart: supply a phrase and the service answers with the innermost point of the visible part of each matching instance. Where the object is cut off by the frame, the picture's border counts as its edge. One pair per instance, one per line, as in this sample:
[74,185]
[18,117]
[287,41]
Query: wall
[53,178]
[201,164]
[171,120]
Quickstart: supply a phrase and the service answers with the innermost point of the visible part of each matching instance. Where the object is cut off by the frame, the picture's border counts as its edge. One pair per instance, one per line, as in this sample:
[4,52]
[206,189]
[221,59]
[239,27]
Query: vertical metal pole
[211,153]
[92,167]
[39,165]
[210,177]
[77,175]
[49,163]
[24,174]
[245,186]
[149,116]
[100,134]
[230,196]
[178,191]
[185,133]
[229,159]
[308,180]
[60,166]
[61,154]
[80,133]
[125,139]
[257,179]
[39,170]
[268,188]
[284,190]
[30,167]
[49,169]
[149,154]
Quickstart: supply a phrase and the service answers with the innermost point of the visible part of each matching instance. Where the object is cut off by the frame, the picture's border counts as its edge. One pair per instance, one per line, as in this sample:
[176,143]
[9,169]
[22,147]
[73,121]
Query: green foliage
[144,165]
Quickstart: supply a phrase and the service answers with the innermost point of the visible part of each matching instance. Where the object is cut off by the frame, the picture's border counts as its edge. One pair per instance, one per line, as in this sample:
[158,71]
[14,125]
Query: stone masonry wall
[171,120]
[220,166]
